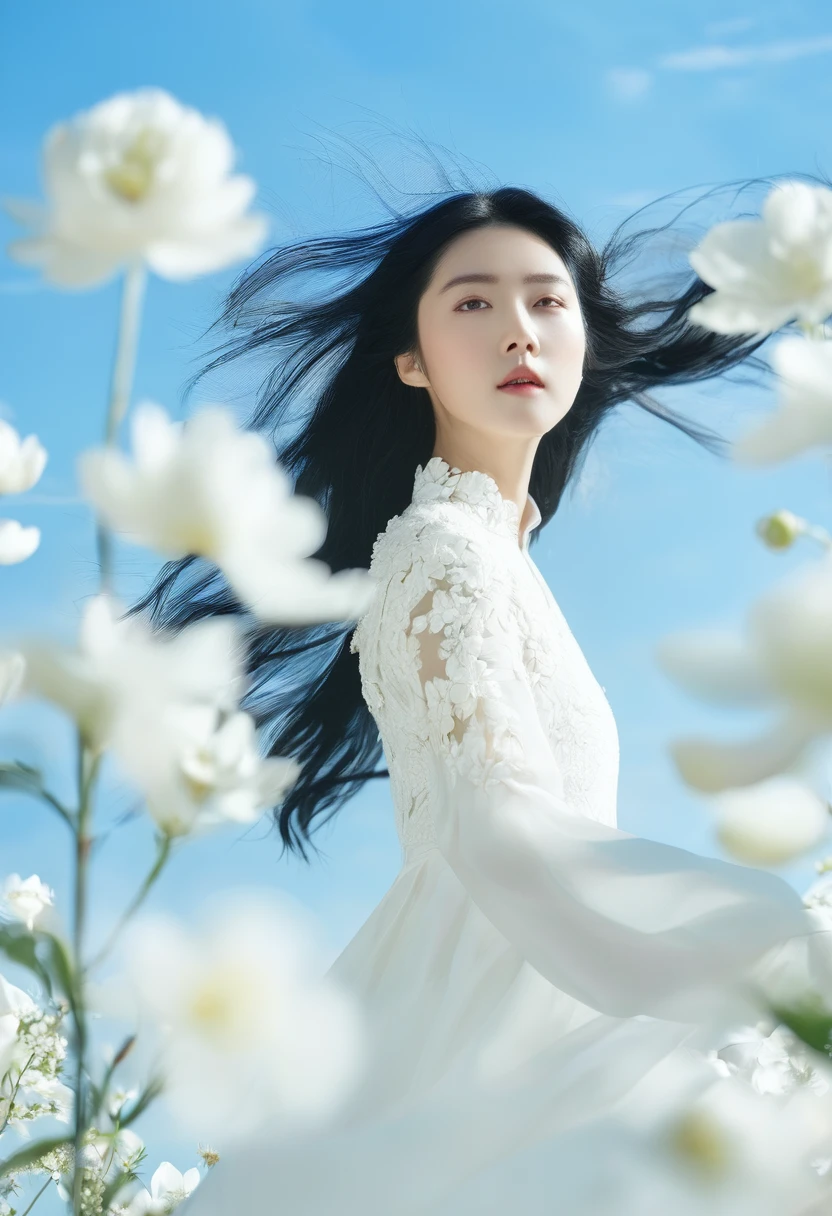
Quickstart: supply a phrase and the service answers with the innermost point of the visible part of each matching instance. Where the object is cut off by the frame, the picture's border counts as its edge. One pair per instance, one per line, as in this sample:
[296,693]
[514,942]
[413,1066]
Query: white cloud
[717,58]
[718,29]
[626,84]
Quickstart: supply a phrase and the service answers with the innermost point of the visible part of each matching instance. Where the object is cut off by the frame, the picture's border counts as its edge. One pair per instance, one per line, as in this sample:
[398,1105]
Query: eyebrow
[493,278]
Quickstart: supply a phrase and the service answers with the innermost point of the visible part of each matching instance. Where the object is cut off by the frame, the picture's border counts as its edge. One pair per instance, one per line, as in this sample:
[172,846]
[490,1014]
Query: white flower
[21,463]
[783,661]
[804,419]
[712,1148]
[14,1004]
[120,669]
[121,1149]
[770,823]
[52,1091]
[139,176]
[773,1060]
[12,671]
[818,898]
[197,770]
[769,271]
[167,1190]
[25,899]
[16,542]
[207,488]
[251,1024]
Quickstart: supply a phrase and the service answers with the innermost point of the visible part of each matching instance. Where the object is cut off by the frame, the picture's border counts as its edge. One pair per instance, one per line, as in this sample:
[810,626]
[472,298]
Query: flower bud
[781,529]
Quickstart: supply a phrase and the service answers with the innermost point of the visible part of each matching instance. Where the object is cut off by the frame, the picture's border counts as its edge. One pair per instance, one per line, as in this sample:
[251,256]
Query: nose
[522,336]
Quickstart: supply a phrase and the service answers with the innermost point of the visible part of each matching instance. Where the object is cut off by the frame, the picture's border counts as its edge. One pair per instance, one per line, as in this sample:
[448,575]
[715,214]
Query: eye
[478,300]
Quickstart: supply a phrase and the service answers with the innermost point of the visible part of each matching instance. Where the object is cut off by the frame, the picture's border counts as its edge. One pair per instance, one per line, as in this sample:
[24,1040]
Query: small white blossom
[21,461]
[250,1022]
[17,542]
[167,1190]
[773,1060]
[25,899]
[769,271]
[804,417]
[207,488]
[32,1054]
[138,176]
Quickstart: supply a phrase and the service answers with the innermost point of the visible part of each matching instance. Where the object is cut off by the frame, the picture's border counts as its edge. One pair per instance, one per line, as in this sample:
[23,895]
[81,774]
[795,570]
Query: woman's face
[473,334]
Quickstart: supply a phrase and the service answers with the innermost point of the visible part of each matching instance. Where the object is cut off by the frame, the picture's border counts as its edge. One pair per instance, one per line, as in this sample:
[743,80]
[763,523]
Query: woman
[531,962]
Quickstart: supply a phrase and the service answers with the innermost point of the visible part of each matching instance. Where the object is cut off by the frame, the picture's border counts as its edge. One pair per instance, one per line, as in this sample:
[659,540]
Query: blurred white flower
[205,487]
[769,271]
[21,463]
[733,1150]
[120,668]
[16,542]
[12,672]
[252,1026]
[25,899]
[197,769]
[138,176]
[167,1190]
[770,823]
[804,418]
[783,661]
[14,1004]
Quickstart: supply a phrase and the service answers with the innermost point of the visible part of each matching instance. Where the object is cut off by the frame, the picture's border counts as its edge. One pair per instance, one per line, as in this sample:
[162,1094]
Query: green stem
[59,807]
[37,1197]
[88,763]
[13,1094]
[163,846]
[121,384]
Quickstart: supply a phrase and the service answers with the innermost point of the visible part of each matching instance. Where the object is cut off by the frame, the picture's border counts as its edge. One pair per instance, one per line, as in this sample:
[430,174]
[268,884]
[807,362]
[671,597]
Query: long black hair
[359,434]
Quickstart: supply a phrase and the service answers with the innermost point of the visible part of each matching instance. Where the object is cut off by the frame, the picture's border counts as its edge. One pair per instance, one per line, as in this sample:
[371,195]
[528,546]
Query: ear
[410,371]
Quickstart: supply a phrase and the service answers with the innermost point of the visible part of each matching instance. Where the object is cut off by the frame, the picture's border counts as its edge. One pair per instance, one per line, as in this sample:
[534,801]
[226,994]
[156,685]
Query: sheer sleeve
[626,925]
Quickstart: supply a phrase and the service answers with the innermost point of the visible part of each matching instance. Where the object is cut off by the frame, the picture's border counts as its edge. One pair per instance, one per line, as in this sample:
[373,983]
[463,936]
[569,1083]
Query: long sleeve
[626,925]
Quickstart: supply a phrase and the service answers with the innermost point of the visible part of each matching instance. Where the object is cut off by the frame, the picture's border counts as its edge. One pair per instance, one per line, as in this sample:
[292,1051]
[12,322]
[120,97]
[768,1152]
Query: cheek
[451,349]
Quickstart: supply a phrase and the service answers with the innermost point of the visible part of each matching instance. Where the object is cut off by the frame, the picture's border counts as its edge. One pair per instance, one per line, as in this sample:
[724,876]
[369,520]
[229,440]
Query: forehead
[498,249]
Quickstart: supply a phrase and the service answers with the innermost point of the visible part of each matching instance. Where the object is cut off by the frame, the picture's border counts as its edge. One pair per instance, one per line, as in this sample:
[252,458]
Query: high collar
[478,493]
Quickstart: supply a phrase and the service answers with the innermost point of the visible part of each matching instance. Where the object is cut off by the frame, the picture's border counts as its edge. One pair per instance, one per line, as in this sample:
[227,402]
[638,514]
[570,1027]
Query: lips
[521,374]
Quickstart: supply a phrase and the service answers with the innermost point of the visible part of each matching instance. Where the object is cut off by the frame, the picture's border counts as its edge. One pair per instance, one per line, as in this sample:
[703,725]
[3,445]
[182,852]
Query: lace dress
[530,962]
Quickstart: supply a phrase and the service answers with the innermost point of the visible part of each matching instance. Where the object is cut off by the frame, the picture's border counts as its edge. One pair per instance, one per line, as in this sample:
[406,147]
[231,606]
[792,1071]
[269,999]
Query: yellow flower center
[132,176]
[700,1141]
[213,1006]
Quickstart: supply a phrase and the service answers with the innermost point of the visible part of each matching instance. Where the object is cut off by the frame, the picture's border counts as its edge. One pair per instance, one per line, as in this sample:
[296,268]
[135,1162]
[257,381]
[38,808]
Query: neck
[510,464]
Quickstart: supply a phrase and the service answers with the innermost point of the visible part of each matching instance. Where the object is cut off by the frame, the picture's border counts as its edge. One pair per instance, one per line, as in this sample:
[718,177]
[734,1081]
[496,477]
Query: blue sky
[600,107]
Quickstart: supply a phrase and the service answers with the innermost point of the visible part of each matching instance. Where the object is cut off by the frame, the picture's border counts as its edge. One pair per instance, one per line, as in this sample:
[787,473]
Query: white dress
[530,962]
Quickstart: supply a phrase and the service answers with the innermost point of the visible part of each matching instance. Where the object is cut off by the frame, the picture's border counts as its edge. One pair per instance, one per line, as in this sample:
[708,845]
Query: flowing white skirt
[481,1072]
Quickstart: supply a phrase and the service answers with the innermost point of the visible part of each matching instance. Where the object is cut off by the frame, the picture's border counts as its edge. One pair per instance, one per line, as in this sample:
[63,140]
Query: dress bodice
[451,564]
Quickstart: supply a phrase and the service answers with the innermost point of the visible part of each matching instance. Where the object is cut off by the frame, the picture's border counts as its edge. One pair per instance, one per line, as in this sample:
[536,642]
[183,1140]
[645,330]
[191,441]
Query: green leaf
[15,775]
[152,1091]
[19,945]
[60,965]
[117,1184]
[32,1152]
[811,1023]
